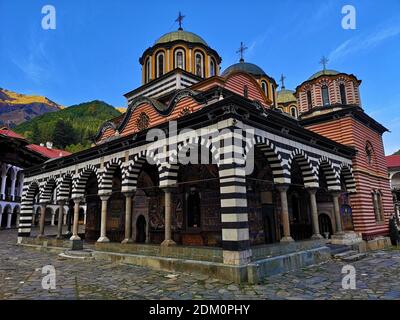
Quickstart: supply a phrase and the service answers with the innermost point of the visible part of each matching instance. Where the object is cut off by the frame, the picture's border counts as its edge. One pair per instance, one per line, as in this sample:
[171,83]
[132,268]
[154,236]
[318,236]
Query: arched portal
[149,202]
[325,225]
[197,205]
[116,209]
[141,229]
[261,201]
[93,208]
[6,212]
[298,201]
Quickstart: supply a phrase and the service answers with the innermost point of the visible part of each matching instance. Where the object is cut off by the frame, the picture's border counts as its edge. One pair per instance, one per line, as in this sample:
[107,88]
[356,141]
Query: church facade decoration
[276,166]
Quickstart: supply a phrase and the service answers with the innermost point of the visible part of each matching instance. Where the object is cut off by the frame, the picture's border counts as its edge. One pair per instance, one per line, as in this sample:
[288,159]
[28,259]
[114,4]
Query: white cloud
[365,42]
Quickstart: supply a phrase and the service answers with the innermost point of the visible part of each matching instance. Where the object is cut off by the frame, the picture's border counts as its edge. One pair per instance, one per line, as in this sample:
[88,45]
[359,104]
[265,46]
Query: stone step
[354,257]
[77,254]
[335,249]
[345,254]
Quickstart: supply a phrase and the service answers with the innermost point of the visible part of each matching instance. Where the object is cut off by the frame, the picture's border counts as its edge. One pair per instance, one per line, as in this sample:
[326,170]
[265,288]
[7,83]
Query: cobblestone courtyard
[377,275]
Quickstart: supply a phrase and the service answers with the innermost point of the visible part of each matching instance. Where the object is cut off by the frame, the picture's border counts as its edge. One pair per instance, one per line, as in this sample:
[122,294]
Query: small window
[325,95]
[199,64]
[212,67]
[309,100]
[264,87]
[148,70]
[160,64]
[293,112]
[246,91]
[378,206]
[343,93]
[179,59]
[369,152]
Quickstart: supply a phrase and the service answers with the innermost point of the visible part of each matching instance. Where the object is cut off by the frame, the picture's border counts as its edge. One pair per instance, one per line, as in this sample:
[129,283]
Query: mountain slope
[16,108]
[71,128]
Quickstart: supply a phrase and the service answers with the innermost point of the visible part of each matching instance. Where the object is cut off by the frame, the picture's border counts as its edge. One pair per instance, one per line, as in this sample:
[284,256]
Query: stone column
[314,213]
[1,218]
[84,218]
[168,219]
[60,219]
[13,181]
[42,220]
[128,217]
[65,219]
[9,217]
[53,215]
[75,236]
[285,213]
[103,228]
[3,186]
[336,208]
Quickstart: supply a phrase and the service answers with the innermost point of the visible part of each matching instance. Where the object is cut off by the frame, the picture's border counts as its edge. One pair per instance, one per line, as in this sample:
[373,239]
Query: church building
[223,162]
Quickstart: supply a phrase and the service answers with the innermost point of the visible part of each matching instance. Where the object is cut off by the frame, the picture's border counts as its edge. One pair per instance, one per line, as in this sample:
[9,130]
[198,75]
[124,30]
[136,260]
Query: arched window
[369,152]
[309,99]
[325,95]
[293,112]
[160,64]
[212,67]
[342,93]
[148,70]
[246,91]
[199,64]
[179,59]
[264,87]
[378,206]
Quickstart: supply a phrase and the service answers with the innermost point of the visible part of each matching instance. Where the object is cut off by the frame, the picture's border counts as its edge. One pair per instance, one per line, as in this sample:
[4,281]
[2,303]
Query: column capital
[129,194]
[61,202]
[105,197]
[312,190]
[77,200]
[335,193]
[282,187]
[168,189]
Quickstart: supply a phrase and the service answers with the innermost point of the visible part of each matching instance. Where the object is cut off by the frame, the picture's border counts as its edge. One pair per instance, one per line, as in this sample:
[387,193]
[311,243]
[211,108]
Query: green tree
[398,152]
[63,134]
[35,134]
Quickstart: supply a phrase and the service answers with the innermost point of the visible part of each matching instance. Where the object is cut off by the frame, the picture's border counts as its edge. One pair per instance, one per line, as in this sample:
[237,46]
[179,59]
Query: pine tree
[63,134]
[35,134]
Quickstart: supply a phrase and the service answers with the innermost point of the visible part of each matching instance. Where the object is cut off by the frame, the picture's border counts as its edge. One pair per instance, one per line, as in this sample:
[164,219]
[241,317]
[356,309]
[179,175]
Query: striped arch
[28,198]
[131,174]
[79,185]
[65,187]
[279,172]
[47,190]
[310,177]
[347,173]
[331,176]
[183,147]
[107,177]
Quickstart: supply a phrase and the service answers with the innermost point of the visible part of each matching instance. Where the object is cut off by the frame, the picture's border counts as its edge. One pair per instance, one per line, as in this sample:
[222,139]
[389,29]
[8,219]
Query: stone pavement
[377,277]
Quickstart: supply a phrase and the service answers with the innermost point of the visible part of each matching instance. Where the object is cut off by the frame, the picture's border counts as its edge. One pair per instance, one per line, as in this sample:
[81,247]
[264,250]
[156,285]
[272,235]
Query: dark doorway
[325,224]
[193,209]
[141,229]
[93,210]
[268,212]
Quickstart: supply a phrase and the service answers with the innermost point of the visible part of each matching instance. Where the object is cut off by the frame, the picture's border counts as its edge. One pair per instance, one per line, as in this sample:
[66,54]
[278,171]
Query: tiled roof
[47,152]
[393,161]
[11,134]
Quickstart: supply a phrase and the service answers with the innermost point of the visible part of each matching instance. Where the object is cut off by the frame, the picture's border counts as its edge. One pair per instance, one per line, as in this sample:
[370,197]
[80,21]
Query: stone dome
[245,67]
[325,72]
[181,35]
[285,96]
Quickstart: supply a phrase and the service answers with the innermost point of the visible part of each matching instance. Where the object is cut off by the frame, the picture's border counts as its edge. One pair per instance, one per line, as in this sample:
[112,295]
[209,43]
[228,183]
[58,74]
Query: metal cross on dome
[179,20]
[282,80]
[241,50]
[324,61]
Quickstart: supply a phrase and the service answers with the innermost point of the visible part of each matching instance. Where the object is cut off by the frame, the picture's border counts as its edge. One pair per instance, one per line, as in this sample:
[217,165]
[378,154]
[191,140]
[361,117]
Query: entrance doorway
[325,225]
[268,212]
[141,229]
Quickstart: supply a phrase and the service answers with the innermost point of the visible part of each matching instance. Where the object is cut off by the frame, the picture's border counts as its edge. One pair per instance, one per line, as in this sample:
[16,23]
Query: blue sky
[94,51]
